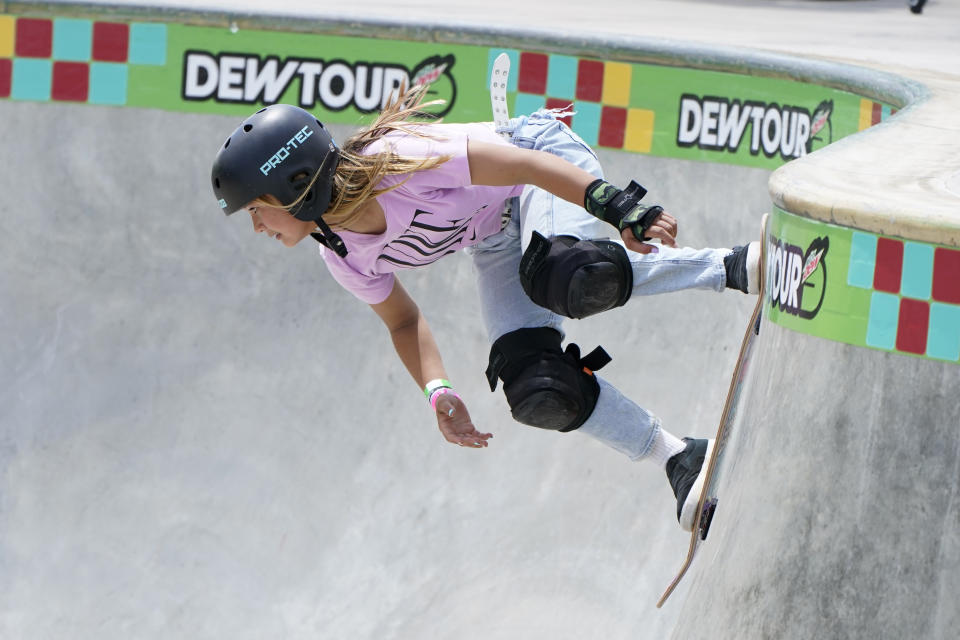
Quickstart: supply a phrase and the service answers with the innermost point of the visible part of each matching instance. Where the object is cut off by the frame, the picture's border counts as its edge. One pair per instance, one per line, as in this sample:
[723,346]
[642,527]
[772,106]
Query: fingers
[663,229]
[472,439]
[456,426]
[478,441]
[635,245]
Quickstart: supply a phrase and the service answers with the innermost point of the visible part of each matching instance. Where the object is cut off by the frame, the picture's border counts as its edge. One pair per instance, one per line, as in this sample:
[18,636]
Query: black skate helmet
[278,151]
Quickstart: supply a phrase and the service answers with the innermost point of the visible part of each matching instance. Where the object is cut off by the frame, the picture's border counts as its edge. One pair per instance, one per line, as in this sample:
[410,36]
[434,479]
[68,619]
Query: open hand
[455,424]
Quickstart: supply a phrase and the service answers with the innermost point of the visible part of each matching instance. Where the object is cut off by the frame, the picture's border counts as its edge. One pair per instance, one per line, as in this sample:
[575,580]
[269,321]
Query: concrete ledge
[891,179]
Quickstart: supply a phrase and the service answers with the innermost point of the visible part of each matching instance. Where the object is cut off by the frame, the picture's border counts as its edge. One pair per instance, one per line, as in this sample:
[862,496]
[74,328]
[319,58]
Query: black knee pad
[576,278]
[546,387]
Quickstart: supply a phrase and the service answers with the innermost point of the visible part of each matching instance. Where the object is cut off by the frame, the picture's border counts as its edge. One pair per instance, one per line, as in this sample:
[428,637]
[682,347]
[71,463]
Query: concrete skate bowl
[202,436]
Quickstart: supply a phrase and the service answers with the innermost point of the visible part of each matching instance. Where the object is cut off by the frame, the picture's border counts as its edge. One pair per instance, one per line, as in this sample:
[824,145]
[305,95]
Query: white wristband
[433,385]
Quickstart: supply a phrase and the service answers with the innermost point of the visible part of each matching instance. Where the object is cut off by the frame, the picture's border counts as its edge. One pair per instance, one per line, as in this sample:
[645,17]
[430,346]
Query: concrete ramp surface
[839,508]
[203,436]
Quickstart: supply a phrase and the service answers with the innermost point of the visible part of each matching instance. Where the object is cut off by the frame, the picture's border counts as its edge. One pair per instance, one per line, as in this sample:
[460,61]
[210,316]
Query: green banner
[644,108]
[340,78]
[863,289]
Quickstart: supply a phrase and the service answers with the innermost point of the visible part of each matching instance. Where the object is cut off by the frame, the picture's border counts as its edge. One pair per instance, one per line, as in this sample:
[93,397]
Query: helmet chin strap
[329,239]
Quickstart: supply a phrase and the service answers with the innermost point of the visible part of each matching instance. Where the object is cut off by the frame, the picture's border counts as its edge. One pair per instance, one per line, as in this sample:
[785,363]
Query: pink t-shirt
[433,213]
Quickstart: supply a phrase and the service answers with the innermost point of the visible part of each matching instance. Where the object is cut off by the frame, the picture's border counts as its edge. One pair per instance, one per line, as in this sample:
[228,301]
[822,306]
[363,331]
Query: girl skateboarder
[534,213]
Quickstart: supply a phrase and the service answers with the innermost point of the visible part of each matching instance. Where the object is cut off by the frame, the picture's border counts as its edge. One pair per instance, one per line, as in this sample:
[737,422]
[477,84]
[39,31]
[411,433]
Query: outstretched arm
[418,351]
[498,164]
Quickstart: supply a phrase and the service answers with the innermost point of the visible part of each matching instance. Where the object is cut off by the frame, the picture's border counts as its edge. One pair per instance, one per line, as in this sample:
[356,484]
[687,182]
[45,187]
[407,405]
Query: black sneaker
[683,472]
[743,268]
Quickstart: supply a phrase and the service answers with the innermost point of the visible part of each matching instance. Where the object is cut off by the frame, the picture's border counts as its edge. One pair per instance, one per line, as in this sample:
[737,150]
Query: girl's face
[279,223]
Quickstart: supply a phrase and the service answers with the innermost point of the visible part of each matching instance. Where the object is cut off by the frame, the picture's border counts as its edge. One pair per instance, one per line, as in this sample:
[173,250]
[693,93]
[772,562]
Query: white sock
[665,446]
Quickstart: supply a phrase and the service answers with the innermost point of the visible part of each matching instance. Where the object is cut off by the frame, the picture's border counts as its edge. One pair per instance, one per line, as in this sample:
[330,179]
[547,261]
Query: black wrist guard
[622,209]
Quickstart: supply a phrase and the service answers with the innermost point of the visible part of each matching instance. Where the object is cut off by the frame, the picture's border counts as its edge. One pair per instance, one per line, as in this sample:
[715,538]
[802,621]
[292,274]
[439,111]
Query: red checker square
[533,73]
[913,325]
[946,275]
[590,81]
[613,127]
[889,266]
[558,103]
[111,41]
[6,73]
[34,38]
[71,81]
[876,114]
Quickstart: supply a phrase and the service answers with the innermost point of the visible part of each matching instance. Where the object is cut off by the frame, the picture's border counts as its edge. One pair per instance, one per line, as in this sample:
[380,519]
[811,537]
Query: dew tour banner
[862,288]
[643,108]
[828,281]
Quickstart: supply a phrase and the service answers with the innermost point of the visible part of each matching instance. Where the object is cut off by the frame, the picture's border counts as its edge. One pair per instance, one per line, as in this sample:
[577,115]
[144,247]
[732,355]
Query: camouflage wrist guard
[622,209]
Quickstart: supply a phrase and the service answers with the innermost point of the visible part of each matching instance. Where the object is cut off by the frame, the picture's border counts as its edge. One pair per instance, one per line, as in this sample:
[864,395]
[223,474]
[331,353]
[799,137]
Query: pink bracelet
[435,395]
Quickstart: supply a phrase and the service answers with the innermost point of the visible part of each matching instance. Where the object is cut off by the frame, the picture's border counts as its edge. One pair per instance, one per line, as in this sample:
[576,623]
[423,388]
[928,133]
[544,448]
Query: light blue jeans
[616,421]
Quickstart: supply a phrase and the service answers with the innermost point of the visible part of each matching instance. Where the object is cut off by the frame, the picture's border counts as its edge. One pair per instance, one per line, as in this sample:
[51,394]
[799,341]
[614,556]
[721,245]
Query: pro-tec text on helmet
[284,152]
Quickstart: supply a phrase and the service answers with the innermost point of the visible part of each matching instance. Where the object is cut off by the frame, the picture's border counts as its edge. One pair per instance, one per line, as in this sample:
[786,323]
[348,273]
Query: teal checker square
[917,278]
[586,121]
[883,321]
[527,103]
[148,44]
[863,260]
[943,336]
[108,83]
[72,40]
[32,79]
[514,56]
[562,77]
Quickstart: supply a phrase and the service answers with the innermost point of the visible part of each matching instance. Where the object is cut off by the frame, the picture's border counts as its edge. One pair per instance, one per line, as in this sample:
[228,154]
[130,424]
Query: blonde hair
[357,175]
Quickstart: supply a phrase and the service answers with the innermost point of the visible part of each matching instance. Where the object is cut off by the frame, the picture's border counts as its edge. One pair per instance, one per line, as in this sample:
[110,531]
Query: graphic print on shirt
[423,243]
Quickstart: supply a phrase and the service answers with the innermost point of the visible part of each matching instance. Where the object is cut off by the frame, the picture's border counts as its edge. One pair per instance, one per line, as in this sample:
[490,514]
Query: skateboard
[707,505]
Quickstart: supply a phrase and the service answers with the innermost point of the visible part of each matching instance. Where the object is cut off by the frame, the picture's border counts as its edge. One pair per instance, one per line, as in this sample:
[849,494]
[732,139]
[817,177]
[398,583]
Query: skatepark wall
[202,435]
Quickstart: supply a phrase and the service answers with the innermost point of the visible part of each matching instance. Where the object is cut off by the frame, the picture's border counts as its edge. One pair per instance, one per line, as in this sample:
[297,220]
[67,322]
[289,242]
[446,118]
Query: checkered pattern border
[73,60]
[872,113]
[915,304]
[599,92]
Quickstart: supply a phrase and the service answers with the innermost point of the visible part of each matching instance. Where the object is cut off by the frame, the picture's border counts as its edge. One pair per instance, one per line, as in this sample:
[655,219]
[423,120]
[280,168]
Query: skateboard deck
[708,497]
